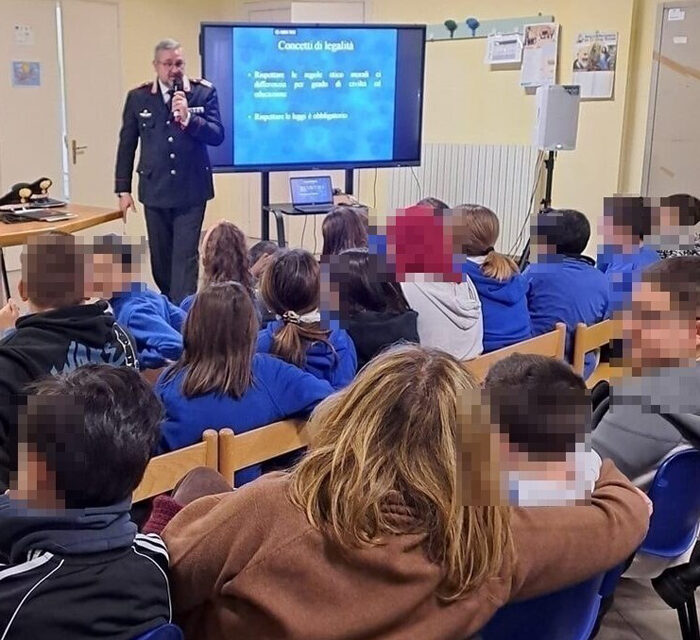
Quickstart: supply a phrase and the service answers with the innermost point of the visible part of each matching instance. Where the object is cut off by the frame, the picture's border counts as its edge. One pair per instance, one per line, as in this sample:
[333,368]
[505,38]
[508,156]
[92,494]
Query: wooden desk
[12,235]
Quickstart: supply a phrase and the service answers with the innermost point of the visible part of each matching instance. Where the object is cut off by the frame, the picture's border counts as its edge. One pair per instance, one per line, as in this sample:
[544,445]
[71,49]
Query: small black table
[287,209]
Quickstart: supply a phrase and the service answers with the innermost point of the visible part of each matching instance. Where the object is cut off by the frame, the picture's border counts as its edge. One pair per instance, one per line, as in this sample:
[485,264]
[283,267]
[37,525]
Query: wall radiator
[501,177]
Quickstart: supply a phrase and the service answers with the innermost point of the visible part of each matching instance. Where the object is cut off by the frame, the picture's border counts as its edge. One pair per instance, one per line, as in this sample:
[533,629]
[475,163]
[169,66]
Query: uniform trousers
[173,240]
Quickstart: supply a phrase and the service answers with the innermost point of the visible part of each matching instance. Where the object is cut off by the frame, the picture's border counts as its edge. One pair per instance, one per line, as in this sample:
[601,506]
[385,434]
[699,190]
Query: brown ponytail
[290,287]
[475,230]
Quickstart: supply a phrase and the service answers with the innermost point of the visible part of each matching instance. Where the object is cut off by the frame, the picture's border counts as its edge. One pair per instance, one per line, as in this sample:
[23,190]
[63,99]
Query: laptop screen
[311,190]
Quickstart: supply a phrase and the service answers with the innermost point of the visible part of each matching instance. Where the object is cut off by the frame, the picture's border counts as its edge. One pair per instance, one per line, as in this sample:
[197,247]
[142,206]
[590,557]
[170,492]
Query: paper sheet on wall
[540,55]
[595,59]
[504,49]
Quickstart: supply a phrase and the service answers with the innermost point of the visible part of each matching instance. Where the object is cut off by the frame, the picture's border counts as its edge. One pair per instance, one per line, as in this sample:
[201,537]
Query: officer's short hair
[165,45]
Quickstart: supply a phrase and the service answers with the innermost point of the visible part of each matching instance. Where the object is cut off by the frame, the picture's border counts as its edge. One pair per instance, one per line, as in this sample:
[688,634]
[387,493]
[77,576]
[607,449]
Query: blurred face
[655,333]
[34,484]
[168,65]
[105,277]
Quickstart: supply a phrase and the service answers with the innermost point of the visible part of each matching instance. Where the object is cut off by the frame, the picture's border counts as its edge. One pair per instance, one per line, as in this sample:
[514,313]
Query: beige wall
[465,101]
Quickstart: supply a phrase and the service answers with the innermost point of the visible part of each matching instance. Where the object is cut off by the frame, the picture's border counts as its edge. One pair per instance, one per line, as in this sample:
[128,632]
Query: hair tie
[291,317]
[488,250]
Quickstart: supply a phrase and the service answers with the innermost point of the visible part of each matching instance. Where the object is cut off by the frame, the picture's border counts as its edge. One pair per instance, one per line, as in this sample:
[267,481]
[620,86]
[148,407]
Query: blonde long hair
[396,429]
[475,229]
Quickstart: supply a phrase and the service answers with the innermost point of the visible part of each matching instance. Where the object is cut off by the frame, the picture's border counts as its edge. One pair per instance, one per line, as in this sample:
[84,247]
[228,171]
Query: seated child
[343,228]
[153,321]
[361,296]
[501,287]
[74,565]
[259,256]
[542,410]
[219,381]
[674,222]
[564,285]
[224,258]
[60,333]
[290,287]
[448,306]
[626,220]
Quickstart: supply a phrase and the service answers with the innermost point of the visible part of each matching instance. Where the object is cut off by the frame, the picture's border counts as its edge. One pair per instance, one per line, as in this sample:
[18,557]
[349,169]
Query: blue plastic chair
[674,524]
[164,632]
[569,614]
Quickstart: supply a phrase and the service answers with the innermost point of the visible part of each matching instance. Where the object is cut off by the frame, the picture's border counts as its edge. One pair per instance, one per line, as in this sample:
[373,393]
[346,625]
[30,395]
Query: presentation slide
[316,96]
[304,93]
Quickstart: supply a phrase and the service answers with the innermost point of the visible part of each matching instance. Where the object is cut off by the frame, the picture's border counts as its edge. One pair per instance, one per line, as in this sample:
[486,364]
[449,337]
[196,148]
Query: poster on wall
[595,58]
[504,49]
[540,48]
[26,74]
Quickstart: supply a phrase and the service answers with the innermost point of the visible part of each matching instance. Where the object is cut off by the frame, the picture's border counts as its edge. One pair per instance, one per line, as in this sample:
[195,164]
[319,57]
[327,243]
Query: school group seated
[426,501]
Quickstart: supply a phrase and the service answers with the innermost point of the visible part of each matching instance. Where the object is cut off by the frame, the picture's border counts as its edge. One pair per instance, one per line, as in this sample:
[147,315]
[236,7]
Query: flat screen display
[299,96]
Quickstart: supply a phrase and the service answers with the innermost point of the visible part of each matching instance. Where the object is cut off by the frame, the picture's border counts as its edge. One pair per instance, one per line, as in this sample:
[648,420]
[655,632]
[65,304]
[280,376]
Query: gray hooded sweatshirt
[634,435]
[449,316]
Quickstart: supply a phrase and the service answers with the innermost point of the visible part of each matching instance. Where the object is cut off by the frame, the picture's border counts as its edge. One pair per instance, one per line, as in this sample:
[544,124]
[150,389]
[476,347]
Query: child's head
[53,271]
[225,255]
[419,242]
[114,265]
[673,221]
[219,337]
[561,232]
[662,326]
[475,231]
[260,249]
[290,287]
[541,408]
[626,220]
[344,228]
[361,281]
[433,203]
[86,438]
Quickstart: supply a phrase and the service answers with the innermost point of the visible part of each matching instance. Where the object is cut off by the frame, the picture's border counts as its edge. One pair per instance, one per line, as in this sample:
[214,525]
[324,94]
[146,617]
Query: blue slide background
[367,134]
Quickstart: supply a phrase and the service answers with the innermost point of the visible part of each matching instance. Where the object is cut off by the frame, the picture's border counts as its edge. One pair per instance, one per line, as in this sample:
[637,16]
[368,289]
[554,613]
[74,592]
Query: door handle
[75,149]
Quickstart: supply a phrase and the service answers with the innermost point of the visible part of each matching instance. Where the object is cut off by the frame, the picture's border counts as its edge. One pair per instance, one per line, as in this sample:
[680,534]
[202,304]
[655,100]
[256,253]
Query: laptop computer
[313,194]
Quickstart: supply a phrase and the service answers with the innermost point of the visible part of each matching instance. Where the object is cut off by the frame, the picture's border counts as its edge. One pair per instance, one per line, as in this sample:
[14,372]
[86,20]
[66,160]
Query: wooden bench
[237,452]
[548,344]
[165,471]
[592,339]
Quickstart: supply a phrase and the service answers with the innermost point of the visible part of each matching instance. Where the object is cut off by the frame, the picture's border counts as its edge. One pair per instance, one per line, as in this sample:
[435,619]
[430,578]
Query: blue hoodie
[153,321]
[279,391]
[503,305]
[566,289]
[337,365]
[623,270]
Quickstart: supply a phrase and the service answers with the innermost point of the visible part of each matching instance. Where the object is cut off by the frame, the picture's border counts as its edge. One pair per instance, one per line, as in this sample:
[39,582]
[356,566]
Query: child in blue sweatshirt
[501,287]
[564,285]
[290,287]
[221,382]
[151,319]
[626,220]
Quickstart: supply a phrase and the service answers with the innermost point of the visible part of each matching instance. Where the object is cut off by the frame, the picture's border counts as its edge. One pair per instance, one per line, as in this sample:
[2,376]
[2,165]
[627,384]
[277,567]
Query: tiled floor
[639,614]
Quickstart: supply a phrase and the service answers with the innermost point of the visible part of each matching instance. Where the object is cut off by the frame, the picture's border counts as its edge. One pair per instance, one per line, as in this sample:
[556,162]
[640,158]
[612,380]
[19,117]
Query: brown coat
[249,565]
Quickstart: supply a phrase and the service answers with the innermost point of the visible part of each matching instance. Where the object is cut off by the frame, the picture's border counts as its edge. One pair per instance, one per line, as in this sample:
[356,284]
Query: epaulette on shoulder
[202,81]
[143,85]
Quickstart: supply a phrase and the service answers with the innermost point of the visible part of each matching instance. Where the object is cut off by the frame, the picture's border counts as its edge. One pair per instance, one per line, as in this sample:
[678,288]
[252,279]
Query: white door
[94,99]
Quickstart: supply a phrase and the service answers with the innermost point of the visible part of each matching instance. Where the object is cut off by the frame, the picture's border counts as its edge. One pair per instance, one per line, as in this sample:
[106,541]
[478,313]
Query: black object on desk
[287,209]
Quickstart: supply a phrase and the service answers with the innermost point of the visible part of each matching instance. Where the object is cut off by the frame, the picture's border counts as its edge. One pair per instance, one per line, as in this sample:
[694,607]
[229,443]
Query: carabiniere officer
[175,179]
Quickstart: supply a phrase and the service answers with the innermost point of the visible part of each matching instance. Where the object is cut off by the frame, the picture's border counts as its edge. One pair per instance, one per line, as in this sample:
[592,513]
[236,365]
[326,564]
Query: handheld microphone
[177,86]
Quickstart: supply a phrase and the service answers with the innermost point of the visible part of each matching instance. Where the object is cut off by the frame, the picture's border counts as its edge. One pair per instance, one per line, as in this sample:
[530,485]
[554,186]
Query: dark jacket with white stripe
[80,574]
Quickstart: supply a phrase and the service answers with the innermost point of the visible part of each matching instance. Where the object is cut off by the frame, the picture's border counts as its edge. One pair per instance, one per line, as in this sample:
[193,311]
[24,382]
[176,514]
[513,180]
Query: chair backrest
[164,632]
[548,344]
[589,339]
[151,375]
[165,471]
[674,492]
[569,614]
[258,445]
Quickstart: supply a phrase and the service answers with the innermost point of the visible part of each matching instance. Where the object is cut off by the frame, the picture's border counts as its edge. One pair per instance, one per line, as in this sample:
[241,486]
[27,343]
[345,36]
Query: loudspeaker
[556,125]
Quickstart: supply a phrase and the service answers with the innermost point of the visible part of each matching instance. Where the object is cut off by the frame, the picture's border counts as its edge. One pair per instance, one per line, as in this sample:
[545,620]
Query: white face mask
[525,489]
[670,238]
